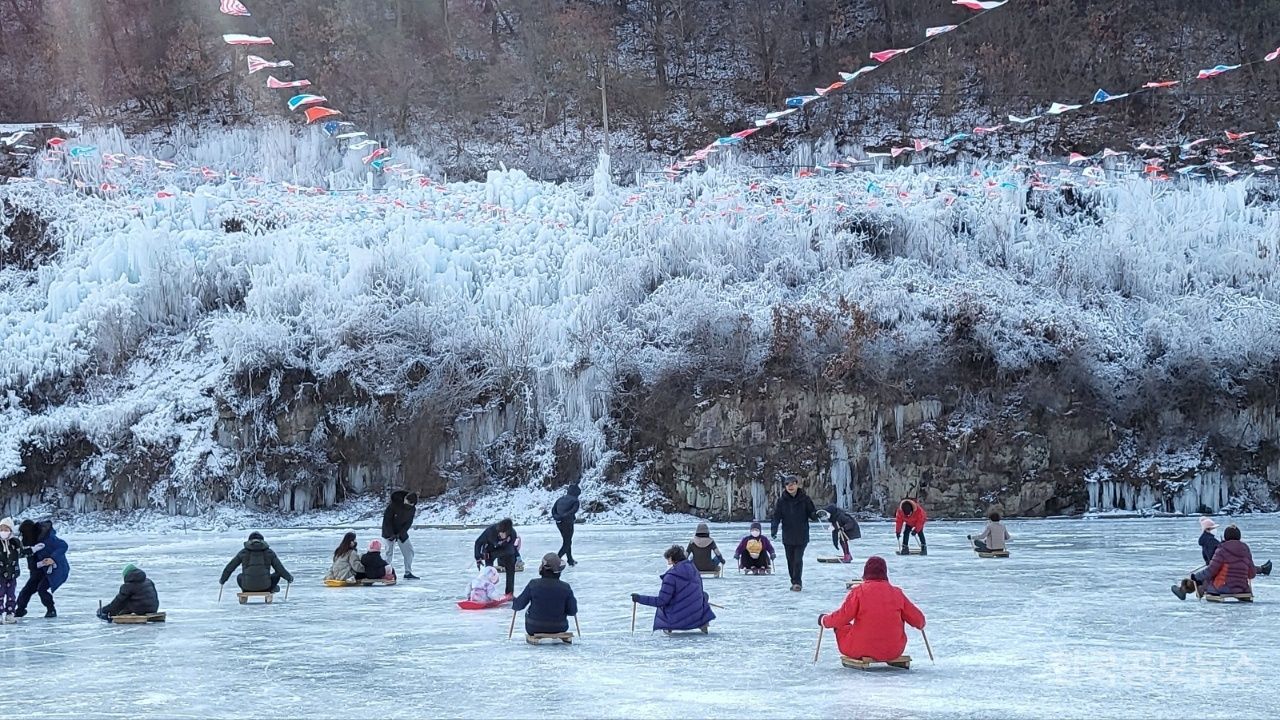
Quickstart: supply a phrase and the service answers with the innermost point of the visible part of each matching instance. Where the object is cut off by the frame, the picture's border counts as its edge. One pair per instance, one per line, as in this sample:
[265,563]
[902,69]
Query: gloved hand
[102,615]
[635,597]
[37,547]
[968,537]
[820,617]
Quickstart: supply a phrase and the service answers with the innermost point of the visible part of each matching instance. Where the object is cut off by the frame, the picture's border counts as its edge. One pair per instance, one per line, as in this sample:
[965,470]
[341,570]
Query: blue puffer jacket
[56,549]
[681,603]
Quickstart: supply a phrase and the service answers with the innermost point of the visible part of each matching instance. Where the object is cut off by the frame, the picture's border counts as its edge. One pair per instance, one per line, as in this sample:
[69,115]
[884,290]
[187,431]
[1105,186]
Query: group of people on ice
[1228,565]
[47,569]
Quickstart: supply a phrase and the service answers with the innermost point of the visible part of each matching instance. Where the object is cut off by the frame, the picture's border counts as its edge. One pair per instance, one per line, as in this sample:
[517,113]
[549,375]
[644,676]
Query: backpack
[754,548]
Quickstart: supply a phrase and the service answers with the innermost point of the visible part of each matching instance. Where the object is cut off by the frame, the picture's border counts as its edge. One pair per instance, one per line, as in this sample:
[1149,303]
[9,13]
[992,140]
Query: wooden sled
[834,560]
[992,553]
[913,551]
[138,619]
[711,573]
[359,583]
[902,662]
[756,571]
[705,630]
[564,637]
[1238,597]
[267,597]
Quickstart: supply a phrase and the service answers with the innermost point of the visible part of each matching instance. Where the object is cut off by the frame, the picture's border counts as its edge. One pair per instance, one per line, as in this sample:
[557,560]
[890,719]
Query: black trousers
[795,563]
[566,538]
[37,582]
[505,559]
[907,532]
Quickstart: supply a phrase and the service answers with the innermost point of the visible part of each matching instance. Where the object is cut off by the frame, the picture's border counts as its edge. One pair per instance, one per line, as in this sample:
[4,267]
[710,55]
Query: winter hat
[375,546]
[128,569]
[7,522]
[702,529]
[1207,523]
[875,569]
[574,490]
[255,535]
[755,525]
[786,479]
[550,563]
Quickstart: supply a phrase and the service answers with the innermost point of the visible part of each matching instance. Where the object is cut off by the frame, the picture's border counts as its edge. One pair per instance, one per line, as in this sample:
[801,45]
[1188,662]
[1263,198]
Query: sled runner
[710,573]
[993,553]
[244,596]
[705,630]
[756,571]
[903,662]
[471,605]
[536,638]
[913,551]
[1238,597]
[138,619]
[834,560]
[359,583]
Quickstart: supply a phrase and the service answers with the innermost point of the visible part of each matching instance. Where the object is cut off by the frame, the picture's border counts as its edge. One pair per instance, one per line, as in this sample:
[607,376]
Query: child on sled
[755,553]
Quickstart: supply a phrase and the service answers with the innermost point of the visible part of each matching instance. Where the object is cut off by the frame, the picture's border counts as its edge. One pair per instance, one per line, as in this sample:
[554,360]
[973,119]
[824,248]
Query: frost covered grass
[159,313]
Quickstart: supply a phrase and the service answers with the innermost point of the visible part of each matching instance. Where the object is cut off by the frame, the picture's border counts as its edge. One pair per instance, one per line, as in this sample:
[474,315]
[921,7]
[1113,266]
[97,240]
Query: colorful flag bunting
[319,113]
[1239,136]
[987,130]
[1059,108]
[362,144]
[1160,84]
[850,77]
[1272,56]
[1102,96]
[922,145]
[275,84]
[979,4]
[256,63]
[886,55]
[234,39]
[779,114]
[940,30]
[829,89]
[1076,158]
[298,101]
[800,101]
[352,135]
[1216,71]
[1023,120]
[234,7]
[745,133]
[955,138]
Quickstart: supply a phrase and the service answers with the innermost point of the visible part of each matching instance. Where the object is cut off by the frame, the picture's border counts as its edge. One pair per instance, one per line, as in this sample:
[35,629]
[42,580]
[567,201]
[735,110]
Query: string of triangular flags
[315,108]
[797,102]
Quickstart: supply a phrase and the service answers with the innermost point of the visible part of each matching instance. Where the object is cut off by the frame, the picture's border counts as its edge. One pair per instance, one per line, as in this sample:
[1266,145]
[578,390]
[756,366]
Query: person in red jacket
[1229,572]
[910,518]
[870,621]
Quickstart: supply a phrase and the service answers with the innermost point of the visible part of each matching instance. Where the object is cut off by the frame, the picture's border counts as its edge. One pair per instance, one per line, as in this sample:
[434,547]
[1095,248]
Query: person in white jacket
[993,536]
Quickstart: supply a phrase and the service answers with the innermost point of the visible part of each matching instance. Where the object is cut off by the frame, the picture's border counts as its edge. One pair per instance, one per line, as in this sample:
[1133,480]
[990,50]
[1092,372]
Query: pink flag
[941,29]
[1160,84]
[887,55]
[922,145]
[1239,136]
[1076,158]
[234,39]
[1272,56]
[979,4]
[275,84]
[256,63]
[234,7]
[1215,71]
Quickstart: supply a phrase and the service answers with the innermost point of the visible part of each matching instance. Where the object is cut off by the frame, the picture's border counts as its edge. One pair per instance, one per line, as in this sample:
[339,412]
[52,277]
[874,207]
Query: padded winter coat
[375,566]
[10,556]
[490,546]
[793,513]
[54,549]
[767,547]
[550,602]
[397,519]
[704,554]
[994,536]
[137,596]
[681,603]
[258,560]
[566,506]
[841,520]
[870,621]
[345,566]
[915,520]
[1208,545]
[1230,570]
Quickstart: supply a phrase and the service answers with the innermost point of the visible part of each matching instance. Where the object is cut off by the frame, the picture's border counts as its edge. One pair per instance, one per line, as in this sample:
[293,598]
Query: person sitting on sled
[549,599]
[1230,572]
[871,621]
[261,569]
[483,588]
[755,553]
[137,596]
[703,552]
[843,529]
[910,518]
[681,603]
[993,536]
[375,565]
[346,565]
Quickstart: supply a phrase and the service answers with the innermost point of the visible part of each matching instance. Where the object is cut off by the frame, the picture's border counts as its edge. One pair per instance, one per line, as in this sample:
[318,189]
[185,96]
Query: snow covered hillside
[189,340]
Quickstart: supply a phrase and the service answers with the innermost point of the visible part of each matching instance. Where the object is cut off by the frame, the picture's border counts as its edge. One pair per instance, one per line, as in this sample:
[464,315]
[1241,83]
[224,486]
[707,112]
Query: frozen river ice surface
[1079,622]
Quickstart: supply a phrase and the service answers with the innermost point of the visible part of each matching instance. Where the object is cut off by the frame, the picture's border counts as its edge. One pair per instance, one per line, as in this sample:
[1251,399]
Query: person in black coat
[550,600]
[375,566]
[793,511]
[137,596]
[497,546]
[843,529]
[565,513]
[261,570]
[397,520]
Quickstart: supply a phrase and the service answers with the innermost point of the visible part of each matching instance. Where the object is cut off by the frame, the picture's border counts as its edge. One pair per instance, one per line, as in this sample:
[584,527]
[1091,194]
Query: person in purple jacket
[681,603]
[1229,572]
[755,554]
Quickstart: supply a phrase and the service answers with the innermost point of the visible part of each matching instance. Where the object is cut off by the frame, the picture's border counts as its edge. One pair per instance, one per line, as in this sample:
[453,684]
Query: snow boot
[20,612]
[52,613]
[410,576]
[9,619]
[1265,569]
[1178,591]
[705,629]
[795,587]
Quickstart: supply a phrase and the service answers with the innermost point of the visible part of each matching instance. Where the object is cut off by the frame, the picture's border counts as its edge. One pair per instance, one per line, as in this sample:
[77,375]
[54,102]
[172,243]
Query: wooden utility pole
[604,106]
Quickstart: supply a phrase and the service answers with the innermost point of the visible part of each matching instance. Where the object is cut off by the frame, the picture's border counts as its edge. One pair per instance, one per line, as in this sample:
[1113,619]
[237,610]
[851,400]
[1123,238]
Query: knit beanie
[875,569]
[755,526]
[7,522]
[255,535]
[1207,523]
[128,569]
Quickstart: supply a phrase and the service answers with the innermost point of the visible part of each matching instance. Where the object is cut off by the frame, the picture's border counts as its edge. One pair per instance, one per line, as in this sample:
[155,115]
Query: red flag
[887,55]
[319,113]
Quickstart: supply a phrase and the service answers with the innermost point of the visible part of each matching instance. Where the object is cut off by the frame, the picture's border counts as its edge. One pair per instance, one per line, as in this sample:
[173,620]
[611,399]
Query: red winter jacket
[916,519]
[877,611]
[1230,570]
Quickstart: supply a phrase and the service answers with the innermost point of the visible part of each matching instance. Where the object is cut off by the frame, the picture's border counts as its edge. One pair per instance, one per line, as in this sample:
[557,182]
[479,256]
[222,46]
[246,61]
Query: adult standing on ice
[870,622]
[793,511]
[564,512]
[397,520]
[682,604]
[910,518]
[46,565]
